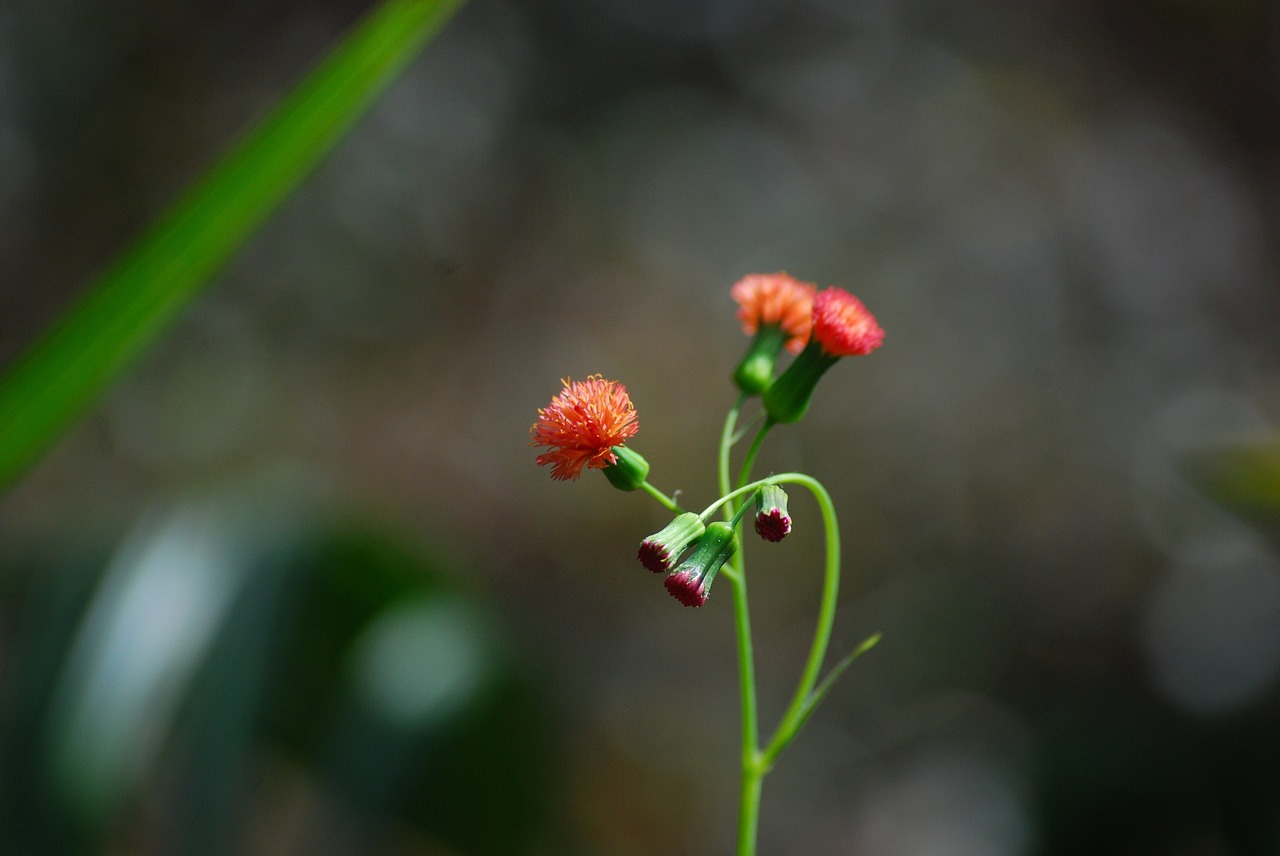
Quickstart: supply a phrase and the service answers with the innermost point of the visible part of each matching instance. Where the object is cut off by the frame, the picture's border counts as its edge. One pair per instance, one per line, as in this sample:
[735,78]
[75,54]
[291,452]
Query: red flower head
[843,326]
[775,299]
[582,424]
[686,586]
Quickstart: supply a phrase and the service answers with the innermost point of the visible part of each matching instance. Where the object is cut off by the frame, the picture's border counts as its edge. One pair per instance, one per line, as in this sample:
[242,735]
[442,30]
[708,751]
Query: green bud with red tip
[691,582]
[660,551]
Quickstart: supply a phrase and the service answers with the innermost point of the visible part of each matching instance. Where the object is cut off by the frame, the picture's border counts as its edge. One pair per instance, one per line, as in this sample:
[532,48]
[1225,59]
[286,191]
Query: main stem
[755,761]
[752,767]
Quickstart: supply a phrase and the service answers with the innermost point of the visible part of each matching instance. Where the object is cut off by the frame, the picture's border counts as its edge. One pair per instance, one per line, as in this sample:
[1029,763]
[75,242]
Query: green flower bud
[691,582]
[629,471]
[660,551]
[756,369]
[773,523]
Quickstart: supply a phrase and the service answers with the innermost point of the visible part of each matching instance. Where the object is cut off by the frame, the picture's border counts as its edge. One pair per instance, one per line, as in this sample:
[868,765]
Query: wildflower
[776,309]
[660,551]
[773,523]
[842,327]
[586,425]
[691,582]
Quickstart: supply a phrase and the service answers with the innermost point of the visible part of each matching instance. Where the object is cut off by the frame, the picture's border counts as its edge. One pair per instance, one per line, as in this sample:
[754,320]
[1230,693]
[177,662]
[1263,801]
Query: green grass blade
[64,373]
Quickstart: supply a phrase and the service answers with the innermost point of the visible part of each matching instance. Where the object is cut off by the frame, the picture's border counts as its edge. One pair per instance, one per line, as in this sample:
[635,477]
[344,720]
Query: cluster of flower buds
[712,545]
[589,422]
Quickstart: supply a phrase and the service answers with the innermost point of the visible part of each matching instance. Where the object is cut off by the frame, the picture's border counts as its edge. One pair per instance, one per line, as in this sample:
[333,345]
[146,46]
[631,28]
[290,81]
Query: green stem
[735,511]
[670,503]
[726,443]
[735,572]
[749,461]
[795,714]
[752,768]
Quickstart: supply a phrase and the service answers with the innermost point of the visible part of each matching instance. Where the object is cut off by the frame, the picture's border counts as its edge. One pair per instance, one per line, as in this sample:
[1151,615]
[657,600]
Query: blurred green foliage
[1243,477]
[344,655]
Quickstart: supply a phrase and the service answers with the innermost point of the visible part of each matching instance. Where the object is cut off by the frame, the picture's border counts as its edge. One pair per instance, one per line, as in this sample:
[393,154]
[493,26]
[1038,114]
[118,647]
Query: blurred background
[297,586]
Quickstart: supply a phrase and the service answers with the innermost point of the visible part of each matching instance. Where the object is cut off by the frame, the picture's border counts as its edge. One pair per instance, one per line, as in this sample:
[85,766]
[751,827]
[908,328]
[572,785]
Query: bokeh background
[296,585]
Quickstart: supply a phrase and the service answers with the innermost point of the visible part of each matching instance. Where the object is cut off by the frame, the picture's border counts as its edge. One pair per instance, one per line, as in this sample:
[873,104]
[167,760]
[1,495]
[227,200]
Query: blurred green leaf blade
[1244,478]
[131,304]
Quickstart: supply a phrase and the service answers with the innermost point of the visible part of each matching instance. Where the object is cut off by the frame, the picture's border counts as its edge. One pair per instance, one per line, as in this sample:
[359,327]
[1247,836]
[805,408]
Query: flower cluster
[589,422]
[821,326]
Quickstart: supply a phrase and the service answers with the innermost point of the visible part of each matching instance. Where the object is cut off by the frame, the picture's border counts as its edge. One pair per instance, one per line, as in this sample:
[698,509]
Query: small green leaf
[45,391]
[788,730]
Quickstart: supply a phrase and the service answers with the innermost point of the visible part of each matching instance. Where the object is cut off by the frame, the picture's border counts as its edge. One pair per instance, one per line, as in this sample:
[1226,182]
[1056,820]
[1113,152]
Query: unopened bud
[773,523]
[660,551]
[691,582]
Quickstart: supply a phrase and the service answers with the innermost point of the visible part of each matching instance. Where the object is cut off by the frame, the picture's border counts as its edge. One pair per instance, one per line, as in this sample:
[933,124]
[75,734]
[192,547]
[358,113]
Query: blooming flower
[778,310]
[691,582]
[775,300]
[843,326]
[582,425]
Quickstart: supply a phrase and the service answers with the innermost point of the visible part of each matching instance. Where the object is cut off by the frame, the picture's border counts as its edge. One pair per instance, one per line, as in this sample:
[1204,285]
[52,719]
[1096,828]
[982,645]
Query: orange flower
[582,424]
[843,326]
[775,299]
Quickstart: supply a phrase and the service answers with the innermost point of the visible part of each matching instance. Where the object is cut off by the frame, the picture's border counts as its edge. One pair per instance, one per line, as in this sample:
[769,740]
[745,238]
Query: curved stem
[795,714]
[734,494]
[670,503]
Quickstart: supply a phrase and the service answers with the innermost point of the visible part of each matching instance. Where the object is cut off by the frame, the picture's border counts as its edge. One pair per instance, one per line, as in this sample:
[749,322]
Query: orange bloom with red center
[843,326]
[582,424]
[775,299]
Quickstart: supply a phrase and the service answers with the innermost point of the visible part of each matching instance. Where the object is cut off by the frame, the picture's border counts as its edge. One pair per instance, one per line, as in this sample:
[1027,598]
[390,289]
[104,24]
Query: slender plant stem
[794,716]
[728,498]
[749,461]
[735,572]
[756,762]
[667,501]
[726,443]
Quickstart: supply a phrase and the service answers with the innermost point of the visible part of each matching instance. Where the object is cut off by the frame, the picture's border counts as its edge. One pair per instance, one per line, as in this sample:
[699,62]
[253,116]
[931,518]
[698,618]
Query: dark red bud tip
[687,588]
[773,526]
[654,557]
